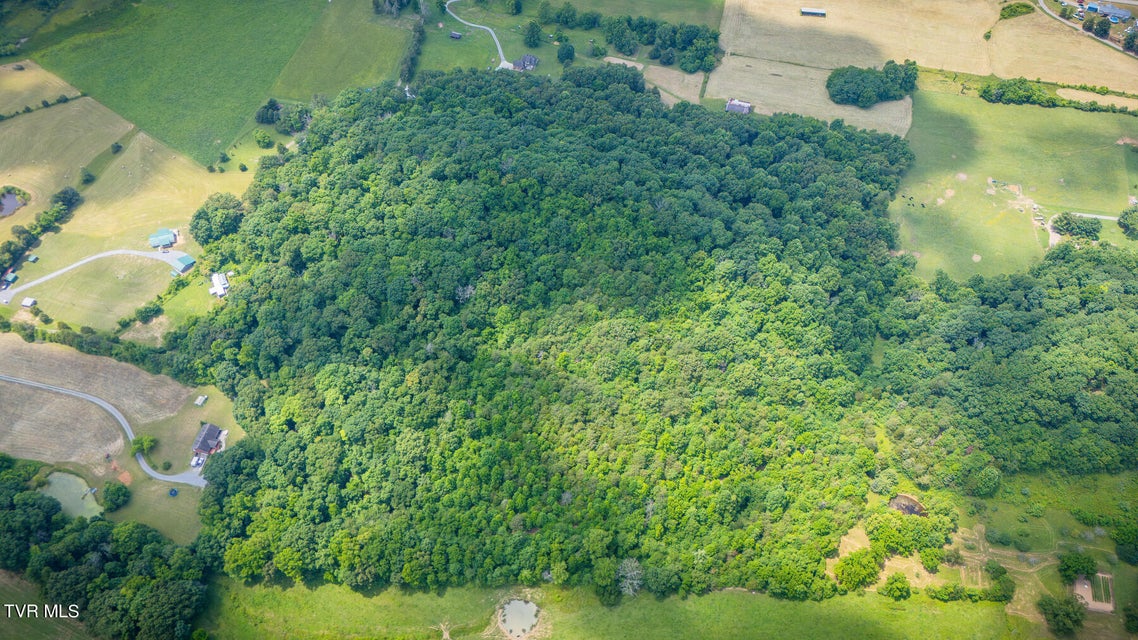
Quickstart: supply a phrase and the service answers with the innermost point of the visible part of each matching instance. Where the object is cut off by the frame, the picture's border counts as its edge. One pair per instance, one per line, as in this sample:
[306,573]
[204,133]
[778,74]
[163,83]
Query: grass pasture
[142,188]
[237,612]
[780,87]
[41,152]
[189,72]
[29,87]
[1058,159]
[349,46]
[16,590]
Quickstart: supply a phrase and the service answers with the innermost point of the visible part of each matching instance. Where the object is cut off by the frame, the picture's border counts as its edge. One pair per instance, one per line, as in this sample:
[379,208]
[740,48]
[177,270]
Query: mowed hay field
[40,425]
[939,35]
[350,46]
[1059,159]
[41,152]
[189,72]
[779,87]
[27,88]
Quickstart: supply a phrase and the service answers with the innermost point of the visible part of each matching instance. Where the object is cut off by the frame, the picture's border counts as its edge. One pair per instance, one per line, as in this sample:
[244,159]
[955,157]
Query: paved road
[169,257]
[501,55]
[190,477]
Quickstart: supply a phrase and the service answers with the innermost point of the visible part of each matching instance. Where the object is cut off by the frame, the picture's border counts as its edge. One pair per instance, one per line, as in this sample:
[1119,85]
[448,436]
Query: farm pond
[517,618]
[73,494]
[9,202]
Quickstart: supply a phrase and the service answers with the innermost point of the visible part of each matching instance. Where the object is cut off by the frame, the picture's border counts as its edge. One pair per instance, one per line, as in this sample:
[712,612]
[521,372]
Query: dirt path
[190,477]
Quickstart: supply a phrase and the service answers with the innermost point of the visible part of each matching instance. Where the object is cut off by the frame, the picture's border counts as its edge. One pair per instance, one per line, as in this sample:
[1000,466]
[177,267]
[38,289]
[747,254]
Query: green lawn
[16,590]
[238,612]
[1059,159]
[349,46]
[190,72]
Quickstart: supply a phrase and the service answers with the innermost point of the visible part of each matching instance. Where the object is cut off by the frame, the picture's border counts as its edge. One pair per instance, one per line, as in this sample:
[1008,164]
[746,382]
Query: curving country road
[190,477]
[501,55]
[169,257]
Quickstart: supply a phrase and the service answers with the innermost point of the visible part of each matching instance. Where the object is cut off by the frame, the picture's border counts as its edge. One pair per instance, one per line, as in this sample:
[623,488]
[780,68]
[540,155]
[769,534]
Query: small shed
[528,62]
[28,303]
[208,440]
[33,258]
[200,401]
[184,264]
[813,13]
[456,35]
[163,238]
[738,106]
[11,277]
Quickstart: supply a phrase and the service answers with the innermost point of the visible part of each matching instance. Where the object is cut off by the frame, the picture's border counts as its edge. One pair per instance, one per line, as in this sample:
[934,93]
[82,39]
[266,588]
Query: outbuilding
[455,35]
[163,239]
[813,13]
[738,106]
[28,303]
[220,284]
[1111,11]
[184,264]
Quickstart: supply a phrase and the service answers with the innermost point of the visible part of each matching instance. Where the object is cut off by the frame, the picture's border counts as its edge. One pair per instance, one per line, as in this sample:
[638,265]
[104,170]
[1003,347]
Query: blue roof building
[1111,11]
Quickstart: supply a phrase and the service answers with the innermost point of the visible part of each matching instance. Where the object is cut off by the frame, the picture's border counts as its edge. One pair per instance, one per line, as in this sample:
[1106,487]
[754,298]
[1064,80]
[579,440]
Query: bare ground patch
[778,87]
[150,333]
[627,63]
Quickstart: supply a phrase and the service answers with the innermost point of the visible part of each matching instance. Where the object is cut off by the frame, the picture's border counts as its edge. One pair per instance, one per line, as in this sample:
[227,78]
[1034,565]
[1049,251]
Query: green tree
[220,216]
[566,53]
[515,7]
[115,495]
[1064,614]
[857,570]
[987,482]
[533,34]
[1102,28]
[1072,565]
[1128,219]
[931,559]
[262,138]
[1130,611]
[142,444]
[85,176]
[896,586]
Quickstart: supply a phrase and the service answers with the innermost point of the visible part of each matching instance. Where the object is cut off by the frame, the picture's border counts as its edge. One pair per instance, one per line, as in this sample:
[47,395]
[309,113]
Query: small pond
[73,494]
[907,504]
[518,617]
[9,202]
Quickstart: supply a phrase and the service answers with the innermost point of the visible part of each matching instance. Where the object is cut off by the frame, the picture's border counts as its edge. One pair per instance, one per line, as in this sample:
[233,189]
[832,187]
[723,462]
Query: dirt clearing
[675,85]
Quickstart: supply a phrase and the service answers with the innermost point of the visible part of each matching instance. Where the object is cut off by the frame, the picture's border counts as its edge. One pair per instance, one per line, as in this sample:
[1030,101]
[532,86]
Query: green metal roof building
[185,263]
[163,238]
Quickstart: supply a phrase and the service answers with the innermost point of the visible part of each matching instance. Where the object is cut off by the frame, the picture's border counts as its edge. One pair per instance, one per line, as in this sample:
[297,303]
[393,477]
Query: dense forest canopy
[513,330]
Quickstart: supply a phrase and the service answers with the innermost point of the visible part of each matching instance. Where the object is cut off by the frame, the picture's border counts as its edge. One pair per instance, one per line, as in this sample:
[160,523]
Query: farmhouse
[208,440]
[528,62]
[814,13]
[220,284]
[738,106]
[1111,11]
[163,239]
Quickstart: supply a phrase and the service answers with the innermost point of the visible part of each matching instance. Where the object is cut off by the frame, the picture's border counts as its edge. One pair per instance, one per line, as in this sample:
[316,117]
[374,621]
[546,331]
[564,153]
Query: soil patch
[906,503]
[627,63]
